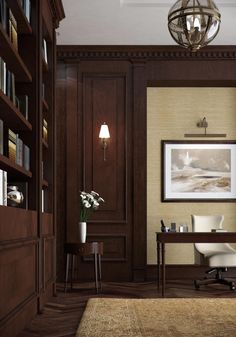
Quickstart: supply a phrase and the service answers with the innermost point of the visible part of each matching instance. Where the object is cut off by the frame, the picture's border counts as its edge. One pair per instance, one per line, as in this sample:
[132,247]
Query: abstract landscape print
[199,170]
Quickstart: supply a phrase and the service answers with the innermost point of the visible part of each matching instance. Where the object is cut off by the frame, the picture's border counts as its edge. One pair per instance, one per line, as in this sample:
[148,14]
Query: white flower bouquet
[89,202]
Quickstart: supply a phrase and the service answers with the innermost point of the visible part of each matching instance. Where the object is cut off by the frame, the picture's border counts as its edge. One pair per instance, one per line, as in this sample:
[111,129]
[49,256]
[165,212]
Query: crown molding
[73,53]
[57,11]
[167,3]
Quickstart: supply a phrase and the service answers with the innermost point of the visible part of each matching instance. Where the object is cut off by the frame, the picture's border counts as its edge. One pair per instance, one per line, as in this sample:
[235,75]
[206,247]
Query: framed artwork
[198,171]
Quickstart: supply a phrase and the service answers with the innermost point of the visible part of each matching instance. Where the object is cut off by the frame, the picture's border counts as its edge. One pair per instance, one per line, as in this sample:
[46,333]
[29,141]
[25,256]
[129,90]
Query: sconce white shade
[104,131]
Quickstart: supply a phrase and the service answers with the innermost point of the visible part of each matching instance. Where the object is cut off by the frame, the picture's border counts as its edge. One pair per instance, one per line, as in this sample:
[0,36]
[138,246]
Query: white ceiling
[131,22]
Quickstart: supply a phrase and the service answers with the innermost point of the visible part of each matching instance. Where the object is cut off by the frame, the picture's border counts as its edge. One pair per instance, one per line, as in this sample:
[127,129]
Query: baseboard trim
[183,271]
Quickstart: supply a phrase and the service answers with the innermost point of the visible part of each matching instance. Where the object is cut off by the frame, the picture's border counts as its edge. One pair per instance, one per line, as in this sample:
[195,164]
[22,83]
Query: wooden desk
[187,237]
[84,249]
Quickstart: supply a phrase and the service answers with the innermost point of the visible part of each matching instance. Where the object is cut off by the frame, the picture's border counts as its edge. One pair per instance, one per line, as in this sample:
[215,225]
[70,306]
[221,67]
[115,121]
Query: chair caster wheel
[232,287]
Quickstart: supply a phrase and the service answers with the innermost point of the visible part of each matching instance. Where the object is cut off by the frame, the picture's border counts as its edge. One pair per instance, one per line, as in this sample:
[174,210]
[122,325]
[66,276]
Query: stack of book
[18,151]
[45,130]
[12,145]
[3,188]
[26,6]
[7,81]
[8,22]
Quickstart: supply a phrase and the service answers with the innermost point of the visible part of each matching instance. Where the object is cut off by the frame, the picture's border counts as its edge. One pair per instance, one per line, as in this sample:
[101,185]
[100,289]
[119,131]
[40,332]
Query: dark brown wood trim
[73,52]
[57,11]
[183,271]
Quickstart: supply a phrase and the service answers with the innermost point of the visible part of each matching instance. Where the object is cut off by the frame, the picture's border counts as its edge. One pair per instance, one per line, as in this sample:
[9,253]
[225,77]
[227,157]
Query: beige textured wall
[172,112]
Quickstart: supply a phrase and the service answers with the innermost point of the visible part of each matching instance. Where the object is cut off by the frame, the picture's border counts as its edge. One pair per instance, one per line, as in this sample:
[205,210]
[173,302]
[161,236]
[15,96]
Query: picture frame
[199,171]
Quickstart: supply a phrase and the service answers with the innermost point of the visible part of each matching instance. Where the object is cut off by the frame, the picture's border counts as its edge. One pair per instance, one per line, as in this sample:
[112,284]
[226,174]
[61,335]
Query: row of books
[18,151]
[7,86]
[9,22]
[7,81]
[45,130]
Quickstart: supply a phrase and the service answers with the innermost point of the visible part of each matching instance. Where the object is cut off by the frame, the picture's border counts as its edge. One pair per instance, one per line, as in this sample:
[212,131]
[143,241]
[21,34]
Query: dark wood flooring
[62,315]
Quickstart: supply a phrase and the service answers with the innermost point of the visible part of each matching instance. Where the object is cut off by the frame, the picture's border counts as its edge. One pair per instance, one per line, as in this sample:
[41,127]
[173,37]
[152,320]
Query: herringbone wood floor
[62,315]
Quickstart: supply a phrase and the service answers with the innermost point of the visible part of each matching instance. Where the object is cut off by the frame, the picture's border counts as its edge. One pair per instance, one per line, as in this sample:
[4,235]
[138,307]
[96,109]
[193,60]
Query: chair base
[218,279]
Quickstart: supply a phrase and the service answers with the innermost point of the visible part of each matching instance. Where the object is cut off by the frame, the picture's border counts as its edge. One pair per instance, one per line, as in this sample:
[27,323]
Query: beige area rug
[109,317]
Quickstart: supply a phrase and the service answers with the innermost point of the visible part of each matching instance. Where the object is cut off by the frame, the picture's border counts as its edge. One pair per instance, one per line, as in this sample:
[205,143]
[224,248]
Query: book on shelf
[3,188]
[13,30]
[1,136]
[3,75]
[19,151]
[10,86]
[43,200]
[45,130]
[26,6]
[20,189]
[26,157]
[22,104]
[12,145]
[3,14]
[45,51]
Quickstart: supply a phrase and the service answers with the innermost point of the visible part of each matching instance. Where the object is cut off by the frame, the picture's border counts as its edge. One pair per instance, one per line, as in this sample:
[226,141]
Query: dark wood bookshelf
[8,165]
[30,232]
[44,65]
[45,105]
[11,115]
[12,58]
[45,144]
[45,184]
[23,25]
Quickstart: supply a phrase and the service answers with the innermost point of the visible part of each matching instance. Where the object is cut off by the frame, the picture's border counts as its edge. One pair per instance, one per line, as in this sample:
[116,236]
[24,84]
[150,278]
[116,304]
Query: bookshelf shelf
[11,167]
[13,59]
[23,25]
[25,28]
[11,115]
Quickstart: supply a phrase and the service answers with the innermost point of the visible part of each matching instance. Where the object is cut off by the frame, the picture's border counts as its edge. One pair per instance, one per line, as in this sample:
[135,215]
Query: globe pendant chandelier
[194,23]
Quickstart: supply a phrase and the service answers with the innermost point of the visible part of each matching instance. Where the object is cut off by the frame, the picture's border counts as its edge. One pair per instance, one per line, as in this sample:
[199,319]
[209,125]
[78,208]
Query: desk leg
[163,269]
[100,271]
[72,270]
[158,266]
[96,271]
[67,271]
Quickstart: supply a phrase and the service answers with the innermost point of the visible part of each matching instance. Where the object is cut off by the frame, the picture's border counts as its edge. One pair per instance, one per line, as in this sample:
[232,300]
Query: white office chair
[220,256]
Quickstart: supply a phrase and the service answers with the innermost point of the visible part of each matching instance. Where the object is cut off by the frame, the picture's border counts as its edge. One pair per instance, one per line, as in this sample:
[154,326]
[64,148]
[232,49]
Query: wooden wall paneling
[139,169]
[60,162]
[72,149]
[104,102]
[151,65]
[17,260]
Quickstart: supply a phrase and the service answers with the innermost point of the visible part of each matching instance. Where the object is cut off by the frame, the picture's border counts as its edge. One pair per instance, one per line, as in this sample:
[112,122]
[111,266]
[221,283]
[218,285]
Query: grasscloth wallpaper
[172,112]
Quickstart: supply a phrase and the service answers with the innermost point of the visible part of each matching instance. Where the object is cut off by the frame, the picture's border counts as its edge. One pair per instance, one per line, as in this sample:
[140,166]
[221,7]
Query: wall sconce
[204,124]
[104,134]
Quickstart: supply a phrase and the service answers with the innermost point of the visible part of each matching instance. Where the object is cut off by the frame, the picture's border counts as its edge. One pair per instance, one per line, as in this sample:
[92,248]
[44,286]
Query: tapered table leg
[96,271]
[67,271]
[100,271]
[163,269]
[158,266]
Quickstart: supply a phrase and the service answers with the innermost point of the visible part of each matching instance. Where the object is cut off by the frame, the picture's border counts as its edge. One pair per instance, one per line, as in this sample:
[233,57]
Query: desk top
[193,237]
